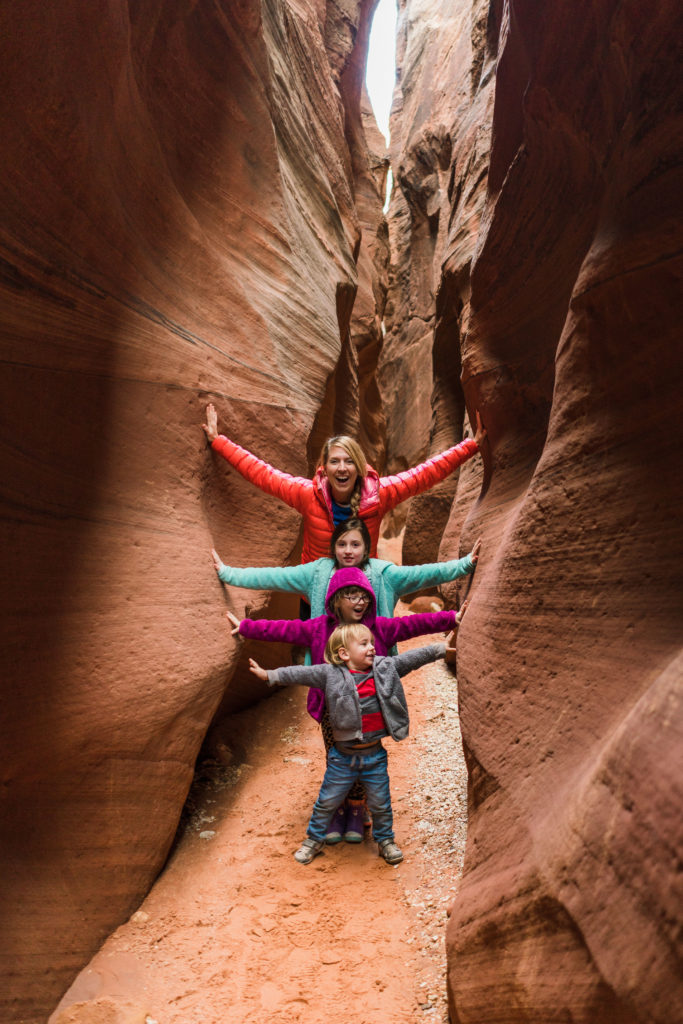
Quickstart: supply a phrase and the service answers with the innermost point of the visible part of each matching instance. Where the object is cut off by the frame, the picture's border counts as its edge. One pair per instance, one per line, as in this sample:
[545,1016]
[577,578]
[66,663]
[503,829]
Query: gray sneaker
[309,849]
[390,851]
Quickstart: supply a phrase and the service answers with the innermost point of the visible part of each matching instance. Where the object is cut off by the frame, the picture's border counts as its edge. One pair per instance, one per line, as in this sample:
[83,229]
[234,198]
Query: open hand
[210,428]
[257,670]
[217,564]
[474,553]
[480,433]
[460,615]
[449,656]
[234,621]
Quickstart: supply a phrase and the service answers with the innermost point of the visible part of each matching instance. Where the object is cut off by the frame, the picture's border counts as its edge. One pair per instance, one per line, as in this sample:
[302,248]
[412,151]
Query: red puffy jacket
[312,498]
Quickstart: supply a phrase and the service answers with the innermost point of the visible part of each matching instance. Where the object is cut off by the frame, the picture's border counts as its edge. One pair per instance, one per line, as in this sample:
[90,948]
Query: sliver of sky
[381,68]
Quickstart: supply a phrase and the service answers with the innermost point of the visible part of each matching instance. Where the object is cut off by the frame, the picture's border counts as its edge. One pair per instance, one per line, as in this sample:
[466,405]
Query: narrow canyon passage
[192,212]
[236,930]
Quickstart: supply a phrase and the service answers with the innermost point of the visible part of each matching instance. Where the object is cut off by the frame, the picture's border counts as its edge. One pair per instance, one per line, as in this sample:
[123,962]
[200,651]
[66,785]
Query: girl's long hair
[352,448]
[341,529]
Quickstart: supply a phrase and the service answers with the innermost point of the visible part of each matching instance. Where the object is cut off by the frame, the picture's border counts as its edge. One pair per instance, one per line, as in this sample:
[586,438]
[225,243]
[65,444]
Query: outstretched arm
[292,579]
[292,631]
[290,489]
[292,675]
[404,579]
[408,661]
[406,626]
[395,489]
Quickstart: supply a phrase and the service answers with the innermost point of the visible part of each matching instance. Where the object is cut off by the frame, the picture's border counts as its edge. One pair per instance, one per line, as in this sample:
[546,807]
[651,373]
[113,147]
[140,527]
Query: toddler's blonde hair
[341,637]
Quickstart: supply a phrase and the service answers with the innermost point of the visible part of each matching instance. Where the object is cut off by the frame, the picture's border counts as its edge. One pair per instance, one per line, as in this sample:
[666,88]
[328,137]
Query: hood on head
[351,577]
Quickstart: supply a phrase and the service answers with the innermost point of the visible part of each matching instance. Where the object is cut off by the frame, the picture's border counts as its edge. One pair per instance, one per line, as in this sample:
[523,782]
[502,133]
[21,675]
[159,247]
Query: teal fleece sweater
[312,579]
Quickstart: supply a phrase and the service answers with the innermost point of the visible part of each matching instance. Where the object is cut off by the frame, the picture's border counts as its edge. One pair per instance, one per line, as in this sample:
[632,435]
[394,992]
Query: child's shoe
[353,833]
[309,849]
[335,830]
[390,851]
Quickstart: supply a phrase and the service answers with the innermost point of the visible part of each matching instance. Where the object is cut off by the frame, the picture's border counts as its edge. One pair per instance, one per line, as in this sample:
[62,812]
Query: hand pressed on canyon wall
[343,485]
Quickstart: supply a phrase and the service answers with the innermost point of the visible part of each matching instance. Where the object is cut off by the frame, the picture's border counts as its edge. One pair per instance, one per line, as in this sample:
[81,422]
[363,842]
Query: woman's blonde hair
[352,448]
[340,638]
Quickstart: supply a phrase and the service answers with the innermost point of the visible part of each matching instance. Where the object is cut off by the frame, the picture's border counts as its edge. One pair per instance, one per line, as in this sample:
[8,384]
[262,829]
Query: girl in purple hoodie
[350,598]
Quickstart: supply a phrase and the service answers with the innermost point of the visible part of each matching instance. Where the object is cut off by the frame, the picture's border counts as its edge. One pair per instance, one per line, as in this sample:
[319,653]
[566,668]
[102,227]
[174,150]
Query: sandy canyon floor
[235,931]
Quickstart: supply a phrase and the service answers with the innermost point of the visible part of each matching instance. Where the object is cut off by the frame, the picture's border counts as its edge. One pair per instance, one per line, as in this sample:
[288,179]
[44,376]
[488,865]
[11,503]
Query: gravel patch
[440,804]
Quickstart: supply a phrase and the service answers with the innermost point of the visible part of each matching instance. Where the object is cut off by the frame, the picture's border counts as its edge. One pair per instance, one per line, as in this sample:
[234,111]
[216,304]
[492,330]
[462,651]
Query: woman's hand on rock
[480,433]
[210,428]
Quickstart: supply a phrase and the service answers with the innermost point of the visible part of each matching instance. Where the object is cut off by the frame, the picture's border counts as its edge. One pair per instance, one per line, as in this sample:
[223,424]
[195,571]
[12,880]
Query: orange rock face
[178,226]
[555,265]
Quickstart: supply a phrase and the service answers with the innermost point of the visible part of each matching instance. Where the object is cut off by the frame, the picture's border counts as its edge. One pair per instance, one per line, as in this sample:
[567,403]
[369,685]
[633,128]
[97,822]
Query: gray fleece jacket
[342,698]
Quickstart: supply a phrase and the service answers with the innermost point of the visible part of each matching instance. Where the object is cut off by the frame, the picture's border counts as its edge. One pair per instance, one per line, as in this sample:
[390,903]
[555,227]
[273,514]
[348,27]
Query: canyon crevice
[192,212]
[539,161]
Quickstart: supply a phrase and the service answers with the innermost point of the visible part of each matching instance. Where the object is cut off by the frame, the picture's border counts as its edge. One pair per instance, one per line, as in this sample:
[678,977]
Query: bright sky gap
[380,74]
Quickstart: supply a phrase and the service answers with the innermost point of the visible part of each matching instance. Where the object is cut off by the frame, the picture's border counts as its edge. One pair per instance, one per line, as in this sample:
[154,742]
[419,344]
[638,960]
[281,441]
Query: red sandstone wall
[560,277]
[178,225]
[440,136]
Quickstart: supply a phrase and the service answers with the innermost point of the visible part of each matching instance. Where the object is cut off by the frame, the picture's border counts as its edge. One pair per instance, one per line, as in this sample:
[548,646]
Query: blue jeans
[342,771]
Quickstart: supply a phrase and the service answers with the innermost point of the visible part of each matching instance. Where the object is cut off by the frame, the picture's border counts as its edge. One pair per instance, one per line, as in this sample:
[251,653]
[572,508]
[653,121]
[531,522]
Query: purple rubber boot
[335,829]
[353,833]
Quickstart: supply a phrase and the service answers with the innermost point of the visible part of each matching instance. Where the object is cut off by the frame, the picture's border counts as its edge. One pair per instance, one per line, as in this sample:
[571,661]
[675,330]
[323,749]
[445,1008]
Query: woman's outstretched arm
[395,489]
[288,488]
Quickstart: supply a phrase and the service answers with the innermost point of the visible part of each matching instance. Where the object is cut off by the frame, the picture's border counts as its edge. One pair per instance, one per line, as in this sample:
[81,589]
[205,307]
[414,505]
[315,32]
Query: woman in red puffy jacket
[343,484]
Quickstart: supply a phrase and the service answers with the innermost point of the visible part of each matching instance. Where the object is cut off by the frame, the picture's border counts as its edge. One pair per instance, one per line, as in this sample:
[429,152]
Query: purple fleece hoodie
[314,633]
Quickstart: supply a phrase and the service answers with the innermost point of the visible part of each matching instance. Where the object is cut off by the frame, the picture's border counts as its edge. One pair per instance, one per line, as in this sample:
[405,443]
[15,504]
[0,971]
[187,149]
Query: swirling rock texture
[440,121]
[539,158]
[178,225]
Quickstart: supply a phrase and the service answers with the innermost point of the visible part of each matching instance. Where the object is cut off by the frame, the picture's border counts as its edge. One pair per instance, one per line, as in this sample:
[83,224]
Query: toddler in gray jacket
[366,702]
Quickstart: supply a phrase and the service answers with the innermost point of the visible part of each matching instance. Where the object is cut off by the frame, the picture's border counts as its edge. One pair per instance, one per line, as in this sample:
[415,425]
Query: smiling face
[341,472]
[352,607]
[350,549]
[359,654]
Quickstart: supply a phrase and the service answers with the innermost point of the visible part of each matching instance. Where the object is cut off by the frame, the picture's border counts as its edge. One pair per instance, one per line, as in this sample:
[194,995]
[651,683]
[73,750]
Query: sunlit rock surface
[556,278]
[179,225]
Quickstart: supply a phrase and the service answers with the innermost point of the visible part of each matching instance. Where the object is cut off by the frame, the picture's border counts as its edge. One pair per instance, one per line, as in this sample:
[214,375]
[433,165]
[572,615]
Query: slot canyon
[192,213]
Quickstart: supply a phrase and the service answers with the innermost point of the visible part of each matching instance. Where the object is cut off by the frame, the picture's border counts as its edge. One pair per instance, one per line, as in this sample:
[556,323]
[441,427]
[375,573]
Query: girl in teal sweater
[350,547]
